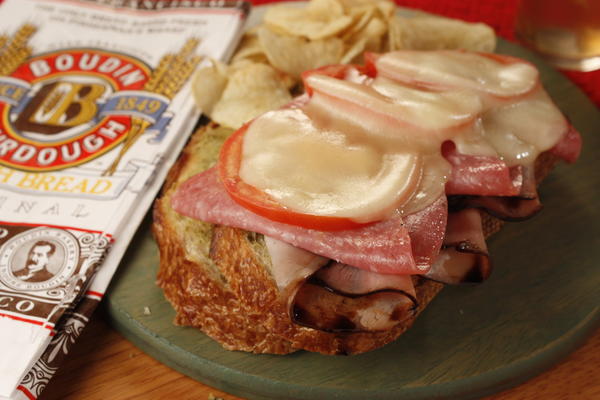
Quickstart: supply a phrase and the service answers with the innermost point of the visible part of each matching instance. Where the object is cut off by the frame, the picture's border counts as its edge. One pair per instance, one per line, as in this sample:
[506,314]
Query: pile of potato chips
[265,69]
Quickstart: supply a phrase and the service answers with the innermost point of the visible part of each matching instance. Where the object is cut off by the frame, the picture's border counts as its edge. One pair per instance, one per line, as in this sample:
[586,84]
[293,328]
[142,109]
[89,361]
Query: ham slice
[291,266]
[327,310]
[504,208]
[524,204]
[569,147]
[349,280]
[480,175]
[339,297]
[426,229]
[508,208]
[383,247]
[465,226]
[464,256]
[456,265]
[331,296]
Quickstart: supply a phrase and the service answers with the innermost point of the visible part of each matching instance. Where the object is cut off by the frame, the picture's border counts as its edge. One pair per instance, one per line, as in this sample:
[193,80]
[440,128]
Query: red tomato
[370,60]
[262,203]
[265,205]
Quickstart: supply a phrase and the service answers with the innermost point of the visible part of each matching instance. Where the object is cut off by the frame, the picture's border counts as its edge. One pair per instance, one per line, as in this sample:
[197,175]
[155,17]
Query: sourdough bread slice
[218,278]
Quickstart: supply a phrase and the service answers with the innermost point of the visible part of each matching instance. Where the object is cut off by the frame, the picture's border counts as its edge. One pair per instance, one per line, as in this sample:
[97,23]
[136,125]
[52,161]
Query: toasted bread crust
[200,296]
[217,278]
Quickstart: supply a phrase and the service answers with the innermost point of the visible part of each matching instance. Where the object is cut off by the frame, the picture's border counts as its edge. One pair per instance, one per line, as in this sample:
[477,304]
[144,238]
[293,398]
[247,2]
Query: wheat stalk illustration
[167,79]
[3,41]
[14,50]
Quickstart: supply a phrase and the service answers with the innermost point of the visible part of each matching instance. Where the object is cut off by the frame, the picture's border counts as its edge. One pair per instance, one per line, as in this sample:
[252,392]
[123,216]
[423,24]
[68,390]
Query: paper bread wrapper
[95,105]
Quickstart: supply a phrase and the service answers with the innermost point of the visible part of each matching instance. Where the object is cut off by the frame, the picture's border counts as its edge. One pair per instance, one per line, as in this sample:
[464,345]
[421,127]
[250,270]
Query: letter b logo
[59,106]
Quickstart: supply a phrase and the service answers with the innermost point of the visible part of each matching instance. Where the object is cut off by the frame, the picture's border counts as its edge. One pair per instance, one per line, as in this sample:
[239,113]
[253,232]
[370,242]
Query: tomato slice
[370,61]
[261,203]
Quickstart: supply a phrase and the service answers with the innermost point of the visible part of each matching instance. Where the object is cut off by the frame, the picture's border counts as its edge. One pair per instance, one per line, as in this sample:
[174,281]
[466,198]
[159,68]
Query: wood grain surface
[103,365]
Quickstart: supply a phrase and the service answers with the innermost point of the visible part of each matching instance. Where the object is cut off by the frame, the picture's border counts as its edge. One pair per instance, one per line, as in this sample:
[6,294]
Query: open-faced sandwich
[330,223]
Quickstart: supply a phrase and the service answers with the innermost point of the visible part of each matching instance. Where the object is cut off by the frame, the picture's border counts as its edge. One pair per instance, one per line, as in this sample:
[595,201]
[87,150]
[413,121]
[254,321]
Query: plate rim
[465,388]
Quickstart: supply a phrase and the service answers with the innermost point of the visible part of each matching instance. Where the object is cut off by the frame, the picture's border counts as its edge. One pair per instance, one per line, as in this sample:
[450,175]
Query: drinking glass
[565,32]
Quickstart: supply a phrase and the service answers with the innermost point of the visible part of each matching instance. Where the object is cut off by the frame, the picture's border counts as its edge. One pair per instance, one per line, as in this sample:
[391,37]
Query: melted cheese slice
[456,69]
[364,148]
[323,172]
[522,130]
[436,171]
[395,110]
[517,131]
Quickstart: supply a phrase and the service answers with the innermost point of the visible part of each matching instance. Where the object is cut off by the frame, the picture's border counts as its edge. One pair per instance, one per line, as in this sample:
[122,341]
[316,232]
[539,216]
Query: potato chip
[385,8]
[354,53]
[435,33]
[251,90]
[361,17]
[292,39]
[250,49]
[371,37]
[208,83]
[321,19]
[285,79]
[374,33]
[394,37]
[318,8]
[294,55]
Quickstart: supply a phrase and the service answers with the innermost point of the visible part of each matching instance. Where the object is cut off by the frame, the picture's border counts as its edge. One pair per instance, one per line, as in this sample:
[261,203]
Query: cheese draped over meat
[364,147]
[392,148]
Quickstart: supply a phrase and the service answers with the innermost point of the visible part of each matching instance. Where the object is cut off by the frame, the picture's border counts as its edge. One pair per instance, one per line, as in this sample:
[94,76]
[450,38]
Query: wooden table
[103,365]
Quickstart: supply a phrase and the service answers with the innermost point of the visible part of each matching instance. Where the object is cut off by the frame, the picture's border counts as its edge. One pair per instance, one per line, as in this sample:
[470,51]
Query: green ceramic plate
[541,302]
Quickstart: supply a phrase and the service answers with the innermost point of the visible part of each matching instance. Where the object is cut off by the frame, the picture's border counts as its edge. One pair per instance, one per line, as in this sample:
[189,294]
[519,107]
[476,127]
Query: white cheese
[362,148]
[394,110]
[456,69]
[472,141]
[429,110]
[321,172]
[520,131]
[436,171]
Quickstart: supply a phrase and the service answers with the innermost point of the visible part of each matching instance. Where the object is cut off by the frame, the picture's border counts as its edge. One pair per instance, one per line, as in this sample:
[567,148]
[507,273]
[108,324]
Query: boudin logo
[59,106]
[68,107]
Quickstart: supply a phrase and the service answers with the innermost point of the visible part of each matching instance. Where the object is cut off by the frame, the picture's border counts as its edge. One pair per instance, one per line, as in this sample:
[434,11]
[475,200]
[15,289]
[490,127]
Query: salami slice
[383,247]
